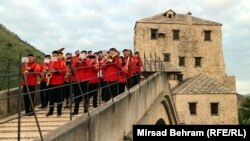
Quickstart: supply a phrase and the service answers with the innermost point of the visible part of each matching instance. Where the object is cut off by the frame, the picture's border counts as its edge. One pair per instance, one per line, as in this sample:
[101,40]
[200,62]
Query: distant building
[190,48]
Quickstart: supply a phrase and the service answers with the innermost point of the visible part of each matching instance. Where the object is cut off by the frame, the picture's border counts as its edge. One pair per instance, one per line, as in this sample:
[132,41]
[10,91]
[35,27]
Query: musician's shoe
[74,113]
[49,114]
[59,113]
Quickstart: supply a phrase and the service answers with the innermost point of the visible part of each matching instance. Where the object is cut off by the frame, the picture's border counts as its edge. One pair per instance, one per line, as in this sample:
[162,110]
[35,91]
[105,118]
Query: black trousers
[66,92]
[122,87]
[136,79]
[26,99]
[44,95]
[78,96]
[93,92]
[55,95]
[103,90]
[130,82]
[111,90]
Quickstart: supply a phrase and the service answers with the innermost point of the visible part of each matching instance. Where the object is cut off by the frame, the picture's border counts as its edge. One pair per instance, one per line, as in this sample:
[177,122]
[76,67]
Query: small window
[166,57]
[181,61]
[176,35]
[154,34]
[180,77]
[197,61]
[192,108]
[214,108]
[207,35]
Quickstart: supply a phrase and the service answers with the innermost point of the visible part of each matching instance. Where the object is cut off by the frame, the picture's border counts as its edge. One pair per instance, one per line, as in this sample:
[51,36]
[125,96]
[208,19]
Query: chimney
[189,18]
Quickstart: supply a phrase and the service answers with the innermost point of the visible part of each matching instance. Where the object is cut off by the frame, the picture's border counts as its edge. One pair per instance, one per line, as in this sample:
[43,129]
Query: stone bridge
[149,102]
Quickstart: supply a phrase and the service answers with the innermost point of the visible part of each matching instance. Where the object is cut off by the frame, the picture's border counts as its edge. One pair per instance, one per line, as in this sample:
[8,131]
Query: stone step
[29,129]
[24,136]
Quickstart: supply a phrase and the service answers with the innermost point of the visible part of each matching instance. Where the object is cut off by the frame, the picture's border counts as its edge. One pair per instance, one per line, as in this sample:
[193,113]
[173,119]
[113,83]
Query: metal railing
[149,64]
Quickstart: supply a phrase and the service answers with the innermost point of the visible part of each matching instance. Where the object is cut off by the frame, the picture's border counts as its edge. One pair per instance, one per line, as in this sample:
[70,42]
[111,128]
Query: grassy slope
[10,48]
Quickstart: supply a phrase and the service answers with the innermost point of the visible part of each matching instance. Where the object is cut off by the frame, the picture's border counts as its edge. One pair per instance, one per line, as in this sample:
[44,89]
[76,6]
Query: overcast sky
[96,25]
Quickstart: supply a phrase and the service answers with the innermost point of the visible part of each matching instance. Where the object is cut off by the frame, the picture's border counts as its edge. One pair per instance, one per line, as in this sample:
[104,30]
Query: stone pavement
[29,129]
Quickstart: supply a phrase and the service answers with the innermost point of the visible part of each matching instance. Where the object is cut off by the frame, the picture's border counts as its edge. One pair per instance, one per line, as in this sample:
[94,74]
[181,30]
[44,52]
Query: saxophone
[49,73]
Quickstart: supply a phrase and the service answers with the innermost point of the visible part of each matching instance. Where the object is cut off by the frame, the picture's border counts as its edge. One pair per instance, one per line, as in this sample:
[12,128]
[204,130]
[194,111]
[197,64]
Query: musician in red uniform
[44,95]
[31,71]
[58,70]
[93,80]
[111,77]
[137,62]
[122,76]
[81,87]
[101,60]
[66,88]
[129,61]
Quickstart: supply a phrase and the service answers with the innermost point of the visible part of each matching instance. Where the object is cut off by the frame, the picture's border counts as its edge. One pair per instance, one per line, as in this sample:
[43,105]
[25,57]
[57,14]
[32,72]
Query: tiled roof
[177,19]
[201,84]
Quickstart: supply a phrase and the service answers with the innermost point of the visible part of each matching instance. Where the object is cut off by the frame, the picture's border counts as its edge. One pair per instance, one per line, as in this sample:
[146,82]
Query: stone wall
[191,44]
[9,106]
[228,108]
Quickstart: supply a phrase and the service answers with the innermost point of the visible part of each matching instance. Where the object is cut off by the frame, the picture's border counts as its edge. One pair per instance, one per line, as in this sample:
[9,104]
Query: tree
[244,112]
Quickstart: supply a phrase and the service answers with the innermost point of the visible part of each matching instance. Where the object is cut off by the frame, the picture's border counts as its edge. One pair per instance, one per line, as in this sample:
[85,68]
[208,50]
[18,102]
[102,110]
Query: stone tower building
[191,49]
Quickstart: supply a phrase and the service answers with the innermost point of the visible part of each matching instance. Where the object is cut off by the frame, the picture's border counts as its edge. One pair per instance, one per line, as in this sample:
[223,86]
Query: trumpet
[111,57]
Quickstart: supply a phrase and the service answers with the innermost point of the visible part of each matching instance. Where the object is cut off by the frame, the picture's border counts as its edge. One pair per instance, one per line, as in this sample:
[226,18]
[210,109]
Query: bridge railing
[11,99]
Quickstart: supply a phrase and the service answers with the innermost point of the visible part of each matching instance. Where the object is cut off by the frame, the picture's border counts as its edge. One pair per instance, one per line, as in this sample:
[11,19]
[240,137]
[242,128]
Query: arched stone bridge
[149,102]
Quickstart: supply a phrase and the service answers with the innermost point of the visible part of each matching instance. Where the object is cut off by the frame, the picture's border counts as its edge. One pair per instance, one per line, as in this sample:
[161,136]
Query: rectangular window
[154,34]
[214,108]
[197,61]
[166,57]
[181,61]
[180,77]
[176,34]
[192,108]
[207,35]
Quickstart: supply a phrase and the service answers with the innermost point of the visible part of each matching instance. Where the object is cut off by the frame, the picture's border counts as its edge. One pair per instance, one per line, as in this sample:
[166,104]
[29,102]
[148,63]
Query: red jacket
[137,64]
[32,74]
[60,71]
[122,75]
[111,70]
[129,63]
[92,73]
[102,71]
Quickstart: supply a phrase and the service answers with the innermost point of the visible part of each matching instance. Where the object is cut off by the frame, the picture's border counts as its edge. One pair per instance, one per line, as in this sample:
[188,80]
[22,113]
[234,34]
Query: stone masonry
[192,47]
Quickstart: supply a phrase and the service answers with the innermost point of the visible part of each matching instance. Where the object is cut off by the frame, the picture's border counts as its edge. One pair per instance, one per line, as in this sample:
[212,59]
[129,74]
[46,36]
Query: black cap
[47,56]
[55,52]
[91,56]
[30,55]
[112,49]
[84,51]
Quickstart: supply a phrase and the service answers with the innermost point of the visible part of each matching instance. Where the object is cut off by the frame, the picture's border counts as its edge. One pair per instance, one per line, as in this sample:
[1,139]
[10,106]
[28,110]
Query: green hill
[11,46]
